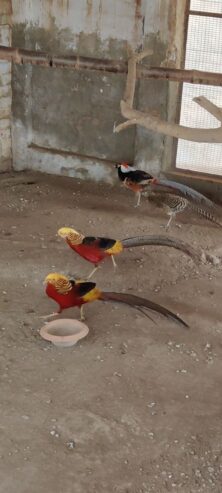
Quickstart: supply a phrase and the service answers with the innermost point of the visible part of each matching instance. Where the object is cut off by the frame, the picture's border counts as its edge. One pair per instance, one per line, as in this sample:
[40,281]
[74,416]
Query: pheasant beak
[45,281]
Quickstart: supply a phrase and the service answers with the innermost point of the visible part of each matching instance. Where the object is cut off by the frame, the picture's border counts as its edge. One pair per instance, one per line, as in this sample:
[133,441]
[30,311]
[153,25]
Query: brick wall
[5,89]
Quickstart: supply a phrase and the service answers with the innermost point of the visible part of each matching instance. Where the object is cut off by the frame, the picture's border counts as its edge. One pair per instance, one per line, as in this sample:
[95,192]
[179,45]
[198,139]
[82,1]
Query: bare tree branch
[134,117]
[209,106]
[131,75]
[155,124]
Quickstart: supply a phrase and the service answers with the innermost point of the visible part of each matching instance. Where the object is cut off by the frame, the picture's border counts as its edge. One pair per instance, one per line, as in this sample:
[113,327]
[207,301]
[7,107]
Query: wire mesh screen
[203,52]
[214,6]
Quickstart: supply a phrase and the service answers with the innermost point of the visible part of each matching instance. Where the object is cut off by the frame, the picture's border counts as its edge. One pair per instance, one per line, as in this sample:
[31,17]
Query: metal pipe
[76,62]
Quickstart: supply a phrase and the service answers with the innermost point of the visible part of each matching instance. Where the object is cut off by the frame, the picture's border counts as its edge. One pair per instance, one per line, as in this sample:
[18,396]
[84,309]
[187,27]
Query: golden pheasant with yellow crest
[95,249]
[71,293]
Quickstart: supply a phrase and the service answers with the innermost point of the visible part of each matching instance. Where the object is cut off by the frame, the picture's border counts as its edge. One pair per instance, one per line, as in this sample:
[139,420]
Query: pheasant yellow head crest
[54,277]
[71,235]
[60,282]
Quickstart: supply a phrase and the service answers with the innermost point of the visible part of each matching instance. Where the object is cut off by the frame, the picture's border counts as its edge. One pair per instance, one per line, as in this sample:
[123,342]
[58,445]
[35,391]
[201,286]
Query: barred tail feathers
[197,202]
[206,213]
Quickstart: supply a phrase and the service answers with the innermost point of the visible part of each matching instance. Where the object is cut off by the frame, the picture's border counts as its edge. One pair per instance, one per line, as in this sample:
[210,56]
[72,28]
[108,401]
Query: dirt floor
[135,407]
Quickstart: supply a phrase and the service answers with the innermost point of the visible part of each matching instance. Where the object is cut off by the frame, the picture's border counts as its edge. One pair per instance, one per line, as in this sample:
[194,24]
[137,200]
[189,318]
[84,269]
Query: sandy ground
[135,407]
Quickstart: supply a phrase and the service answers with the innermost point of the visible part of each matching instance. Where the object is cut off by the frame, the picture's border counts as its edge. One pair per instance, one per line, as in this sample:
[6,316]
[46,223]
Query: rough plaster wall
[74,112]
[5,88]
[110,20]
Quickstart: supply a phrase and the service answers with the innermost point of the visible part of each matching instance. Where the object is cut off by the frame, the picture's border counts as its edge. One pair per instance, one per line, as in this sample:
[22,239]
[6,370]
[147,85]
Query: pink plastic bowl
[64,332]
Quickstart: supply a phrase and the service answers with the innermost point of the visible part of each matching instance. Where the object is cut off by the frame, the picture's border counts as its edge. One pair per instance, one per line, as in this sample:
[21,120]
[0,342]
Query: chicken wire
[203,52]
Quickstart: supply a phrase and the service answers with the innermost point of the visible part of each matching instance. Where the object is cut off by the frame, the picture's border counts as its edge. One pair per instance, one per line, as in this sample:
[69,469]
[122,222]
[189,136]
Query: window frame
[173,170]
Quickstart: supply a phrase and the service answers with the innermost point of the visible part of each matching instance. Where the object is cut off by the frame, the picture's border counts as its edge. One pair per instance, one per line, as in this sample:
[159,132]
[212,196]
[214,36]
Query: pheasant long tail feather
[169,186]
[137,302]
[162,241]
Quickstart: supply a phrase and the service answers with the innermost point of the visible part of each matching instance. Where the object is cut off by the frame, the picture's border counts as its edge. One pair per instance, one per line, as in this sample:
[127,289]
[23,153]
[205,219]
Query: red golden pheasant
[76,293]
[176,197]
[96,249]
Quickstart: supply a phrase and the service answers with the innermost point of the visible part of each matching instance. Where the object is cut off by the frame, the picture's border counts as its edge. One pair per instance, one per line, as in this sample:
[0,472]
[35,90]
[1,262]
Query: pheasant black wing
[139,176]
[82,287]
[97,242]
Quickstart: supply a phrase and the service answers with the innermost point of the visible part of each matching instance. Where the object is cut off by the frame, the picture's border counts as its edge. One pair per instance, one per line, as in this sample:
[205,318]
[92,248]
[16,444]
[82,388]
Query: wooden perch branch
[130,81]
[155,124]
[135,117]
[131,75]
[209,106]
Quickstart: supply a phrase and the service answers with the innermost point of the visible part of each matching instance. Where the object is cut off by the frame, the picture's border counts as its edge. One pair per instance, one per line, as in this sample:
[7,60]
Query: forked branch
[209,106]
[135,117]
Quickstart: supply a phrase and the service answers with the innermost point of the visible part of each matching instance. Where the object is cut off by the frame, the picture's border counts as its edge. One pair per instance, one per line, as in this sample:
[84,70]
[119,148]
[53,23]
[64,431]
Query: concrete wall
[5,89]
[63,120]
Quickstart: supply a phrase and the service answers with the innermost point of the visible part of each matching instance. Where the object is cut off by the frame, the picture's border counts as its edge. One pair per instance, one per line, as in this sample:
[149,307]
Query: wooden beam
[202,13]
[75,62]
